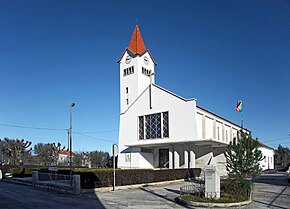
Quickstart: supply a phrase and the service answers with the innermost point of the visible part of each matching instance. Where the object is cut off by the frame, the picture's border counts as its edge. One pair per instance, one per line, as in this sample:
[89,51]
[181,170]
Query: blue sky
[53,53]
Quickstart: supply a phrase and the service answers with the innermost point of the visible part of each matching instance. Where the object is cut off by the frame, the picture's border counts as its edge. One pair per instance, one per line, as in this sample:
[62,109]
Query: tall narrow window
[226,135]
[165,124]
[127,101]
[218,133]
[141,127]
[127,90]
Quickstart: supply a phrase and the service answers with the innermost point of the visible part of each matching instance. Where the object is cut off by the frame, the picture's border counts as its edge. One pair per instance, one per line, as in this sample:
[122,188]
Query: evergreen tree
[243,157]
[43,154]
[100,159]
[282,157]
[78,159]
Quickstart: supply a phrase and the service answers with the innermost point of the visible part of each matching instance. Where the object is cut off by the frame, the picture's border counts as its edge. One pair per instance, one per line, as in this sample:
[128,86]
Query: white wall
[182,123]
[136,82]
[208,127]
[268,162]
[215,128]
[227,133]
[199,125]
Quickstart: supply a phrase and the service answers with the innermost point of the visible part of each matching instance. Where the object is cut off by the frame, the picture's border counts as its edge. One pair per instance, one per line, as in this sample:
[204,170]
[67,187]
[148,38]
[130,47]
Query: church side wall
[211,127]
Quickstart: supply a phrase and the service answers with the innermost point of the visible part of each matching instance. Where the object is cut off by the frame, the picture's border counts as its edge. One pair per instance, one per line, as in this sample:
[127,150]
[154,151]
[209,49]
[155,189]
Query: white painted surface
[212,182]
[268,162]
[136,82]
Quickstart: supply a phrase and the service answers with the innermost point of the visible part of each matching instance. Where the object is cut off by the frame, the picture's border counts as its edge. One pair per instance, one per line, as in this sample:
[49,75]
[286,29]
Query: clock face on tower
[146,60]
[128,59]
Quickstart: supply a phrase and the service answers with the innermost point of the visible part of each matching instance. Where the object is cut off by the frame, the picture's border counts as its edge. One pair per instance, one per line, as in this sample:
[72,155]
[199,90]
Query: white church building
[159,129]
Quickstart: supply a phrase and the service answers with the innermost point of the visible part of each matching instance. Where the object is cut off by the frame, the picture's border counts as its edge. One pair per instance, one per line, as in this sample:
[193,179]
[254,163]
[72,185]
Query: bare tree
[87,159]
[55,149]
[16,150]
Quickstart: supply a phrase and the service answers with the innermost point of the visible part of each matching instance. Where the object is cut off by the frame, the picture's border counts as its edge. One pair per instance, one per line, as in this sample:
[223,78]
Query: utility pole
[70,142]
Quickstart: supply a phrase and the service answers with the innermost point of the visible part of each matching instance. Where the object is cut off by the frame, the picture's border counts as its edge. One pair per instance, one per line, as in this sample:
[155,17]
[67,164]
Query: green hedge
[104,178]
[96,177]
[16,172]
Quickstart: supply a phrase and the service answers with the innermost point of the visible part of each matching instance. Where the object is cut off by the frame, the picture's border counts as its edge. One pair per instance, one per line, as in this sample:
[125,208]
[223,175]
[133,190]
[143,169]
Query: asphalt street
[270,191]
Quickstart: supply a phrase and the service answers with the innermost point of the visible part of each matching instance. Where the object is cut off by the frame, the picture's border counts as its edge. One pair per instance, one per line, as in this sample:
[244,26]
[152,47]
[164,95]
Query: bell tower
[137,70]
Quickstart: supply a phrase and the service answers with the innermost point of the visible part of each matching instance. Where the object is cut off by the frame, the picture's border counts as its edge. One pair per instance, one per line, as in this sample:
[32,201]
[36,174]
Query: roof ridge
[172,93]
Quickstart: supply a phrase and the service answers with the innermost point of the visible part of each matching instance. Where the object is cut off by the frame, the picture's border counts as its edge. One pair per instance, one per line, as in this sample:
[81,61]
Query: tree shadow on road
[273,179]
[268,205]
[275,193]
[172,190]
[278,180]
[162,196]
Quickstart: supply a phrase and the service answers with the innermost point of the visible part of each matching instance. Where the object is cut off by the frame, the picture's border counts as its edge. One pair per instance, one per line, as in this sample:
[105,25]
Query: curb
[209,205]
[16,181]
[40,185]
[133,186]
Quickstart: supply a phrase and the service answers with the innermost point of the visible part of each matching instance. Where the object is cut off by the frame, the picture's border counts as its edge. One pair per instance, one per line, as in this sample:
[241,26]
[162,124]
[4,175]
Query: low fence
[196,189]
[57,181]
[55,178]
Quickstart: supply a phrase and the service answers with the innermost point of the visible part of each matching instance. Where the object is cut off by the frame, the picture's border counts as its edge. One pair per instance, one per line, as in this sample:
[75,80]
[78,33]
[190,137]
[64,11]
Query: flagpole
[242,120]
[239,108]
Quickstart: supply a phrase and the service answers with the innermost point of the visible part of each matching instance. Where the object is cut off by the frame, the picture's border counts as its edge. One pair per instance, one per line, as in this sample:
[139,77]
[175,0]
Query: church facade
[159,129]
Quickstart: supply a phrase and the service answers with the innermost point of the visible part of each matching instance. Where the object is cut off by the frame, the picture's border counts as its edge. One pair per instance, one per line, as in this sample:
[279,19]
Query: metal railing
[55,181]
[195,189]
[54,178]
[212,195]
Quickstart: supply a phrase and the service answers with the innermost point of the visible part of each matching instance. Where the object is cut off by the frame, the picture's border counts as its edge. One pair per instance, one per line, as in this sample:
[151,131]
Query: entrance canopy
[166,142]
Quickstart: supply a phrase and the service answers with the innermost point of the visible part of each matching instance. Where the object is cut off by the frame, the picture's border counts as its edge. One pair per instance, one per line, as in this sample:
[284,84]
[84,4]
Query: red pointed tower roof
[136,45]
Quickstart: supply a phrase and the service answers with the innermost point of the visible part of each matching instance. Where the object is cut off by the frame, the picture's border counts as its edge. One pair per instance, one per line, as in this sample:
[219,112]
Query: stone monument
[212,182]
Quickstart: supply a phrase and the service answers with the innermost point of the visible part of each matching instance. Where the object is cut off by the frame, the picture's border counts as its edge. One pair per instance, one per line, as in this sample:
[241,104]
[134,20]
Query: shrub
[94,178]
[16,172]
[240,189]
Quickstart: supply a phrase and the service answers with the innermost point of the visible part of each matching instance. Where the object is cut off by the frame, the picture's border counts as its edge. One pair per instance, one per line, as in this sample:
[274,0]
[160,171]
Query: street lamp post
[70,142]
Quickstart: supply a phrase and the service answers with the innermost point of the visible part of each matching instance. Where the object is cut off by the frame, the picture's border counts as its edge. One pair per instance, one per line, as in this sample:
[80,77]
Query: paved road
[14,196]
[271,191]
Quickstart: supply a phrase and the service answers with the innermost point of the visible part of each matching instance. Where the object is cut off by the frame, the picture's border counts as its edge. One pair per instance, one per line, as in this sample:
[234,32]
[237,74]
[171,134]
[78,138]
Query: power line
[38,128]
[105,140]
[54,129]
[98,132]
[283,143]
[276,139]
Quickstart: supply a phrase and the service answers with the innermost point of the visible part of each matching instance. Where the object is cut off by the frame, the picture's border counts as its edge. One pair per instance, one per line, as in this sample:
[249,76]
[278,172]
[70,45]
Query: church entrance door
[163,158]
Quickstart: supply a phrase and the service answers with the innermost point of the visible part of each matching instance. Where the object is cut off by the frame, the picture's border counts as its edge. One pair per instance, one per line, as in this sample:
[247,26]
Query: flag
[239,107]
